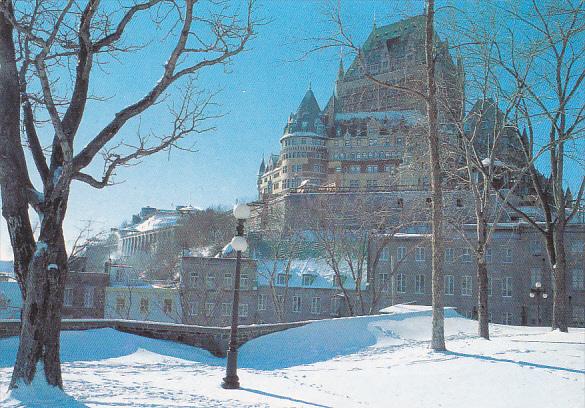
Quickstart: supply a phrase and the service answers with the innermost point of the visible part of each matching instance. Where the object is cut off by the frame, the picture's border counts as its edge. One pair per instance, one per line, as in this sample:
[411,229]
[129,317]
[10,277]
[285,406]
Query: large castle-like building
[368,135]
[371,137]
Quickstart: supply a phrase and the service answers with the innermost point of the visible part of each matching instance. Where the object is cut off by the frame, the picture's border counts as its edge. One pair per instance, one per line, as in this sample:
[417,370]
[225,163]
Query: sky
[255,95]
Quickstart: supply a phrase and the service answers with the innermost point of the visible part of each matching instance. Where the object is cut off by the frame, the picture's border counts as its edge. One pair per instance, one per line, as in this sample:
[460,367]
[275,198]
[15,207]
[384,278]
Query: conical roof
[309,104]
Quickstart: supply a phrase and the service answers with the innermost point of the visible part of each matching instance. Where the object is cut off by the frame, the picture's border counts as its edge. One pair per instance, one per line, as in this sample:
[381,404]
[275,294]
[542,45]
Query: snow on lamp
[239,243]
[241,211]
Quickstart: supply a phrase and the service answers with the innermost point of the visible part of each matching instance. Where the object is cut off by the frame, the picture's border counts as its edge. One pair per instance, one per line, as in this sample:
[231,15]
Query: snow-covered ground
[374,361]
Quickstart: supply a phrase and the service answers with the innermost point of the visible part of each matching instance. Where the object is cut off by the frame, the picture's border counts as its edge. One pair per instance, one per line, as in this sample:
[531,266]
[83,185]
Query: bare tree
[542,60]
[39,41]
[420,84]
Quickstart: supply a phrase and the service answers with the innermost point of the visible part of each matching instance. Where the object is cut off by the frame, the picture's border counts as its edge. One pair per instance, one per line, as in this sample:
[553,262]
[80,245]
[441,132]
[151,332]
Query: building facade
[516,260]
[84,295]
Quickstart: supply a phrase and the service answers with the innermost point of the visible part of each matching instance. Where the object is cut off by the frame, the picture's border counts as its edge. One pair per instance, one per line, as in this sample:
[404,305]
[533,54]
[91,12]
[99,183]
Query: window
[209,307]
[244,281]
[193,277]
[226,309]
[466,286]
[371,183]
[508,255]
[372,169]
[578,279]
[68,297]
[280,300]
[383,282]
[227,280]
[262,302]
[400,283]
[296,304]
[507,286]
[354,183]
[420,254]
[354,169]
[400,253]
[466,255]
[168,305]
[507,318]
[210,281]
[385,255]
[429,201]
[449,285]
[193,309]
[579,315]
[316,305]
[144,305]
[120,305]
[488,255]
[535,276]
[400,203]
[282,279]
[419,284]
[459,202]
[449,255]
[297,168]
[308,279]
[243,310]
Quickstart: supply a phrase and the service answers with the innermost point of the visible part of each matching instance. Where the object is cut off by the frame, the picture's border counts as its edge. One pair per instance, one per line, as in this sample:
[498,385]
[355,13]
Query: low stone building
[84,295]
[516,260]
[271,291]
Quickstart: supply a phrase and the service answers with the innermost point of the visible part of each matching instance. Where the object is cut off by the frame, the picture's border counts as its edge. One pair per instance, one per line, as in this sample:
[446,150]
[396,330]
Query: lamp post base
[231,380]
[231,383]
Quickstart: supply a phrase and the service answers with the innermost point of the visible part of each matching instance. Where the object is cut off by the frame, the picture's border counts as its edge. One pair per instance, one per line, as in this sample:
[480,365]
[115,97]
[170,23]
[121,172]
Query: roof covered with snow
[319,272]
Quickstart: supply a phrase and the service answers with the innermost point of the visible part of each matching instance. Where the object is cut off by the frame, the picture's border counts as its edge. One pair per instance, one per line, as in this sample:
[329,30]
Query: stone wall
[213,339]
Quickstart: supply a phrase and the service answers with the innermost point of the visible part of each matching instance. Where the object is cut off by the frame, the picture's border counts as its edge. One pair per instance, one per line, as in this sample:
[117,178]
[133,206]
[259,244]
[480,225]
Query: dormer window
[282,279]
[308,279]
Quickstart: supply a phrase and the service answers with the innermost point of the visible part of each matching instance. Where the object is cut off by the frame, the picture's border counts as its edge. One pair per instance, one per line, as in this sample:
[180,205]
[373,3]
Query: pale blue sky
[265,84]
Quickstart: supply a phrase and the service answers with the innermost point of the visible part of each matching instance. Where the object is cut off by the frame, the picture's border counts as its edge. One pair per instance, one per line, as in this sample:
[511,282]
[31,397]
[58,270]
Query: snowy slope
[373,361]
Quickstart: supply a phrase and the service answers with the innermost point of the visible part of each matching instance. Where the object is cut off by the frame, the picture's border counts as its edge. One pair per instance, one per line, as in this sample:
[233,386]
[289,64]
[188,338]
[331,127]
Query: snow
[38,394]
[411,117]
[57,175]
[369,361]
[40,248]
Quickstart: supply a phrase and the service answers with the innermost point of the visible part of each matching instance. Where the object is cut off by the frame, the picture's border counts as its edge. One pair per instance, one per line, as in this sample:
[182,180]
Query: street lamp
[239,244]
[537,292]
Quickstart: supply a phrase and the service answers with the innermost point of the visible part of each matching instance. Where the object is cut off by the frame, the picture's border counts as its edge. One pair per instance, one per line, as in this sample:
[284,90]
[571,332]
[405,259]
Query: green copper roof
[309,104]
[394,30]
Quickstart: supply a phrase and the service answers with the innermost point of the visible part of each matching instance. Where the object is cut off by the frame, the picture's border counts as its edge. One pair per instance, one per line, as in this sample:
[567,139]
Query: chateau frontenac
[368,135]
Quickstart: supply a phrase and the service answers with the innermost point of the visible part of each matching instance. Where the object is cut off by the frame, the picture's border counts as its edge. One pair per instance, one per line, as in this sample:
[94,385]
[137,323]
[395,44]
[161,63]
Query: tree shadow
[520,363]
[283,397]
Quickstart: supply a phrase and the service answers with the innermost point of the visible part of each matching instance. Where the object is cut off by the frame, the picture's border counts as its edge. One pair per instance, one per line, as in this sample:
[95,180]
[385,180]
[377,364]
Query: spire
[262,167]
[568,197]
[309,85]
[374,21]
[340,76]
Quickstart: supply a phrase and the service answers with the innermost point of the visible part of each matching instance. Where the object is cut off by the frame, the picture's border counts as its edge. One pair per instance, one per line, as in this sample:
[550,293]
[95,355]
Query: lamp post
[538,292]
[239,244]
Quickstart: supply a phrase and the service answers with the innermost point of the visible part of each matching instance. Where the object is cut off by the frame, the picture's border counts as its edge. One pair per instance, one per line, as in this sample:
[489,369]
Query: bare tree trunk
[41,323]
[13,175]
[438,329]
[482,280]
[559,272]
